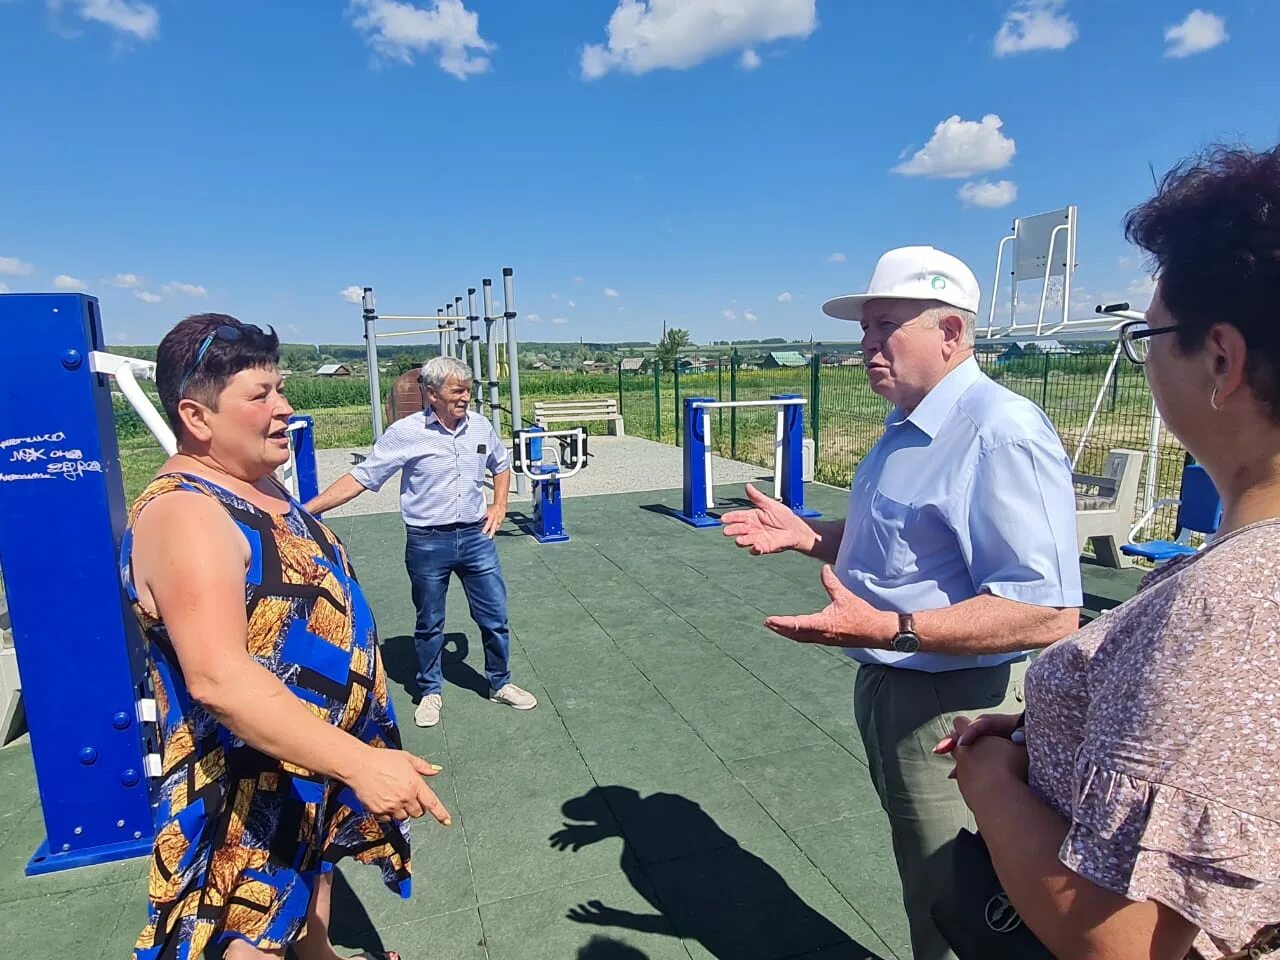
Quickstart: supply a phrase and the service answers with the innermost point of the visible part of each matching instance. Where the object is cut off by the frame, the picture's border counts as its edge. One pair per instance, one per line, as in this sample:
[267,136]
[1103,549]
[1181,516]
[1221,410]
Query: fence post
[733,411]
[1115,388]
[1044,382]
[675,371]
[657,399]
[720,394]
[814,391]
[620,410]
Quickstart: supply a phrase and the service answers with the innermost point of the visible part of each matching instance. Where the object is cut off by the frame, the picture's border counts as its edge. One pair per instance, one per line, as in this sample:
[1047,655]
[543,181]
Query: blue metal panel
[694,451]
[548,515]
[791,483]
[304,457]
[62,513]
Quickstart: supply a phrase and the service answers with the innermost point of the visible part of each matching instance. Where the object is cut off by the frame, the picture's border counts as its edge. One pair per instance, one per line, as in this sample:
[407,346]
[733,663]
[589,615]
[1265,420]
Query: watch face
[906,643]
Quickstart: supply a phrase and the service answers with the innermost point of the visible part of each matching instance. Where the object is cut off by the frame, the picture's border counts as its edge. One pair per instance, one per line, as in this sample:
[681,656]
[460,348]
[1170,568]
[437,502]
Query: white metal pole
[777,455]
[1153,456]
[707,457]
[477,394]
[371,356]
[495,410]
[509,311]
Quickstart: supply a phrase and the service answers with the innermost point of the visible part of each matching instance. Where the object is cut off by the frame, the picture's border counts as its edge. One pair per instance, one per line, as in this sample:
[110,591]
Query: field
[848,415]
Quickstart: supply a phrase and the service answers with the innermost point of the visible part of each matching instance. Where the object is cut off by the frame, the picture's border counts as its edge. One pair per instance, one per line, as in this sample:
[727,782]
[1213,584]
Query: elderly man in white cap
[958,555]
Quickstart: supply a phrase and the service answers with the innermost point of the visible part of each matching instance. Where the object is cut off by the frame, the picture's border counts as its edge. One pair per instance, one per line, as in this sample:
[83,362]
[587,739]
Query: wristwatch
[906,640]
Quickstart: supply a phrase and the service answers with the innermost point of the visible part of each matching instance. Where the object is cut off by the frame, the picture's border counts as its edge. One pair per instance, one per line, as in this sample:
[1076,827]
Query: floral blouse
[1156,731]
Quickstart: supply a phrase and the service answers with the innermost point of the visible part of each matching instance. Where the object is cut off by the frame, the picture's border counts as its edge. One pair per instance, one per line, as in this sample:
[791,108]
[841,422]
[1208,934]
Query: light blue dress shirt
[969,493]
[442,471]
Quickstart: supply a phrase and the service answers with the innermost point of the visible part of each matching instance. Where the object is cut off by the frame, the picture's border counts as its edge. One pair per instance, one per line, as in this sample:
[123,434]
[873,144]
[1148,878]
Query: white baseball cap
[913,273]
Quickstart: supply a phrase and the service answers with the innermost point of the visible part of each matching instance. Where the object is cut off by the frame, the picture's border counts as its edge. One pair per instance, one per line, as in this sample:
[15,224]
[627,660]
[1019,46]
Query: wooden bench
[1106,506]
[546,412]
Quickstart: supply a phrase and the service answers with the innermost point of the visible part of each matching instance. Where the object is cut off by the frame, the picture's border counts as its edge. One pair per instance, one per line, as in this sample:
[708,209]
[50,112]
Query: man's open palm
[768,527]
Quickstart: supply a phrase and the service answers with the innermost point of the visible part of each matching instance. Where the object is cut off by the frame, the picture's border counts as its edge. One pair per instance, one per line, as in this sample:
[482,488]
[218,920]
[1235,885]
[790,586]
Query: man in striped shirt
[442,455]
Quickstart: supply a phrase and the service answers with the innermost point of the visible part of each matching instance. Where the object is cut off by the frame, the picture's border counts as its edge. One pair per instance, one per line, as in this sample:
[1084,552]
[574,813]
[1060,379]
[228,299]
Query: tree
[670,345]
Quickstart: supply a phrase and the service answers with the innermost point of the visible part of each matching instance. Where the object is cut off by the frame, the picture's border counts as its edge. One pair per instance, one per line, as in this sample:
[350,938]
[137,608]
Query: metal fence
[844,417]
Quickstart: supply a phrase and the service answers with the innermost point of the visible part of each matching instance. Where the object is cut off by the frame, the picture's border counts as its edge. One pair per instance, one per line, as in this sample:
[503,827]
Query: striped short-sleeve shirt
[442,471]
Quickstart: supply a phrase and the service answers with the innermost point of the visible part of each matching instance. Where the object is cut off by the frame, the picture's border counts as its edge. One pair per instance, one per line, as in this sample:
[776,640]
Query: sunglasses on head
[226,333]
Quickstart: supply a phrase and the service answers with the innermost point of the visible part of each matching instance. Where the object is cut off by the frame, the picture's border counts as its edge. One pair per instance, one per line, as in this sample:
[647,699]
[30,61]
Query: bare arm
[200,596]
[497,511]
[979,625]
[1075,918]
[345,488]
[991,624]
[502,488]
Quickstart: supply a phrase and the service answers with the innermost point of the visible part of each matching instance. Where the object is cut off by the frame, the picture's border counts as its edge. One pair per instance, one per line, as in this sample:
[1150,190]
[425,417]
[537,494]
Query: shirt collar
[931,412]
[434,420]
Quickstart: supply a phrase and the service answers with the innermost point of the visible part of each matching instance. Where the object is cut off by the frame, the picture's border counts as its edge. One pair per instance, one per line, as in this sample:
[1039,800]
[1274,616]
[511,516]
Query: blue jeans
[432,555]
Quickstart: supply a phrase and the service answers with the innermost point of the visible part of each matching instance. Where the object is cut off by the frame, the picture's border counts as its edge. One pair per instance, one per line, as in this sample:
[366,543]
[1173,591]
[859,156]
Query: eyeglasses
[226,333]
[1135,337]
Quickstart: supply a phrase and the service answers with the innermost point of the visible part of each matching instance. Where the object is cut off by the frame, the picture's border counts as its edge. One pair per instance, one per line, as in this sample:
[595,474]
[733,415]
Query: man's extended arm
[345,488]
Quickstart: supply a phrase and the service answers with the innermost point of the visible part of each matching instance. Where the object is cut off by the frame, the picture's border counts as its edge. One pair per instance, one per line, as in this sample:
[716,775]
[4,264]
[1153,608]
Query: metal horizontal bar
[720,404]
[410,333]
[415,319]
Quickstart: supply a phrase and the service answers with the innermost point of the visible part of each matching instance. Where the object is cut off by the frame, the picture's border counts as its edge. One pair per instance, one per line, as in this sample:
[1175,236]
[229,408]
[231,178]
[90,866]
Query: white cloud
[126,281]
[748,316]
[190,289]
[837,258]
[147,297]
[119,337]
[138,19]
[555,296]
[750,60]
[579,280]
[728,314]
[784,297]
[64,282]
[352,294]
[1141,290]
[1035,25]
[559,320]
[961,148]
[1201,31]
[445,29]
[649,35]
[984,193]
[533,317]
[15,267]
[610,292]
[4,288]
[572,303]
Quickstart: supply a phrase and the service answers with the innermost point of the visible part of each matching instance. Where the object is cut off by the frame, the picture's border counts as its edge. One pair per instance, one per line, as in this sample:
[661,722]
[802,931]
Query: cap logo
[938,283]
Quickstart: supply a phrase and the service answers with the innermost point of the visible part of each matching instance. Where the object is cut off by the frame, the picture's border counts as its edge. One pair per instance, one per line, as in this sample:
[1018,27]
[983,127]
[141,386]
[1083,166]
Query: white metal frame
[126,370]
[779,431]
[527,437]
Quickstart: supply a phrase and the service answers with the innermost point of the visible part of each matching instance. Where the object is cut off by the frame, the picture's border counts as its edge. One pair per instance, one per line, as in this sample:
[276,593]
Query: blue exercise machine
[788,461]
[527,460]
[80,653]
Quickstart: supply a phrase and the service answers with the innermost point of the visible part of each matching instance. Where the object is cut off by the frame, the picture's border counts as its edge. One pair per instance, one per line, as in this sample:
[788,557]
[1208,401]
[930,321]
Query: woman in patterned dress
[281,753]
[1142,816]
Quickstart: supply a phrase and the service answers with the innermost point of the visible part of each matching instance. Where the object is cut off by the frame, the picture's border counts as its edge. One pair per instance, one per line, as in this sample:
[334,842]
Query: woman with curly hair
[1142,816]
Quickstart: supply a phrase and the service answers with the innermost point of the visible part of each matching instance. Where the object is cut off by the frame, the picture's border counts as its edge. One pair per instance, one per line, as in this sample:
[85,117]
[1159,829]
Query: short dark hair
[222,360]
[1213,233]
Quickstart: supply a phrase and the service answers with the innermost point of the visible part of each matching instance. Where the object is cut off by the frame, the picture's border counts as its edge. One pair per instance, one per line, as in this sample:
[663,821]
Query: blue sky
[724,165]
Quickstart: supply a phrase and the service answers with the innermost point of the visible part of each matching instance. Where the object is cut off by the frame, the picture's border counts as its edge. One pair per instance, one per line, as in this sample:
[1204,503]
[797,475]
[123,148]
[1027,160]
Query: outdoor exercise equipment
[788,455]
[528,448]
[89,709]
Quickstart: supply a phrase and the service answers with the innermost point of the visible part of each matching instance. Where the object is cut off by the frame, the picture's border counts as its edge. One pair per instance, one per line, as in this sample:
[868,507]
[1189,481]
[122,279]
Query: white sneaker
[428,712]
[513,696]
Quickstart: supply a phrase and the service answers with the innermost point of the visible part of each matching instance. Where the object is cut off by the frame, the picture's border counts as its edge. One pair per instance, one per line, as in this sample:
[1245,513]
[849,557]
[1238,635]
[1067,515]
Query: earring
[1213,399]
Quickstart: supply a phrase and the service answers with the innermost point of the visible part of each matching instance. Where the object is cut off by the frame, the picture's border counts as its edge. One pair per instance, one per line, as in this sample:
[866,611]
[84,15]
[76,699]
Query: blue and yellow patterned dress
[242,837]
